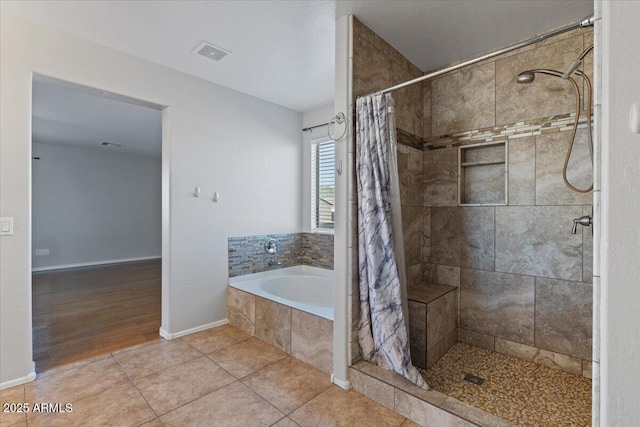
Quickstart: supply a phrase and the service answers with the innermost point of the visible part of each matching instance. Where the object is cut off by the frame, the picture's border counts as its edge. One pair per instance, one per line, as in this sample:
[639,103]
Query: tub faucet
[271,247]
[585,221]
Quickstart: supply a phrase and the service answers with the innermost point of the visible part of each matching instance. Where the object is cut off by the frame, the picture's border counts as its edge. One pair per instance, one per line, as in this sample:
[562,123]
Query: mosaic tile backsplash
[247,255]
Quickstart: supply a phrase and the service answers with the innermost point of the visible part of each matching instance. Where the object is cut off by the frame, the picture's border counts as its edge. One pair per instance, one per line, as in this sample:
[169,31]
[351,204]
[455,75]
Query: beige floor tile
[409,423]
[285,422]
[78,383]
[146,359]
[246,357]
[12,395]
[288,384]
[73,365]
[179,384]
[216,338]
[153,423]
[337,407]
[232,405]
[119,406]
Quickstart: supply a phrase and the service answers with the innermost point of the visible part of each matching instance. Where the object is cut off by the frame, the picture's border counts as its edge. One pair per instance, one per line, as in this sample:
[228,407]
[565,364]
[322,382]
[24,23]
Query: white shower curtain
[382,330]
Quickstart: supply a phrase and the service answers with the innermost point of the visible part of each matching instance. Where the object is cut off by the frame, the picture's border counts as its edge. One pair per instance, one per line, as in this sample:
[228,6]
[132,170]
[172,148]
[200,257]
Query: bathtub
[305,288]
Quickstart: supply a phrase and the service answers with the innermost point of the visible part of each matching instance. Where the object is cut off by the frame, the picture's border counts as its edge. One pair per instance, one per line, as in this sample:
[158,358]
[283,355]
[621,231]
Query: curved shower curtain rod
[586,22]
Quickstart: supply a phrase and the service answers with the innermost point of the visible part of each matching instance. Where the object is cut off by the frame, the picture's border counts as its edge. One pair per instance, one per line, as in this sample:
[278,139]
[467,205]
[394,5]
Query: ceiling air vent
[211,51]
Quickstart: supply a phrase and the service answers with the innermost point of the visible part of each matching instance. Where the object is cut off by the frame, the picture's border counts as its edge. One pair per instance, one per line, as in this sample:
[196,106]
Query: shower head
[526,77]
[576,63]
[529,76]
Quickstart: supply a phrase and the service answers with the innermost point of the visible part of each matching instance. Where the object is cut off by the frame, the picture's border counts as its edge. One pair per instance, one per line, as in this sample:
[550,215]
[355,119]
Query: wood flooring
[83,312]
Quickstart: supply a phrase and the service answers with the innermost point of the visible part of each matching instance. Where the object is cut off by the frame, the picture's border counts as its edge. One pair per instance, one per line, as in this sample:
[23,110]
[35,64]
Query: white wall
[246,149]
[620,302]
[311,118]
[92,205]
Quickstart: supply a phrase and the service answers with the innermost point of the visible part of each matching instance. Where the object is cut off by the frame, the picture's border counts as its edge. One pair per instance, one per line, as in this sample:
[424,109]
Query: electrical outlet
[40,252]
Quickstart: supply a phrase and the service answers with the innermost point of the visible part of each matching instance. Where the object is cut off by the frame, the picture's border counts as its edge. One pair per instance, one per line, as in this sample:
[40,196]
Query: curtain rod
[313,127]
[586,22]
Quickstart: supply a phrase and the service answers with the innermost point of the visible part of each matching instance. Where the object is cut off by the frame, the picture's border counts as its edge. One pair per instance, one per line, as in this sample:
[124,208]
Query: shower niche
[483,174]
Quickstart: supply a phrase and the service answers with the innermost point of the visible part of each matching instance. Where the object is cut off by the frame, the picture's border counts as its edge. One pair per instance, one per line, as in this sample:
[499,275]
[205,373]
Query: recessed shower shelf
[483,173]
[468,164]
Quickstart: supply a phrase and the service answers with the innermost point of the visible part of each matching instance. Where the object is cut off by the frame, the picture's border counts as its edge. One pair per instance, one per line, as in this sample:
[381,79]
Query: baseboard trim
[346,385]
[92,263]
[18,381]
[170,336]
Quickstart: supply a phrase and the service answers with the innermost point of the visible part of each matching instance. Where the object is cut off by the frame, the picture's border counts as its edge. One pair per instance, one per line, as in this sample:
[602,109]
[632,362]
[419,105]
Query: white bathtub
[303,287]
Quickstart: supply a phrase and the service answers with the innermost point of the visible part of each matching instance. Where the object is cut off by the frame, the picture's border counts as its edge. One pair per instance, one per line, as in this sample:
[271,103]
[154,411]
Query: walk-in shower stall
[495,164]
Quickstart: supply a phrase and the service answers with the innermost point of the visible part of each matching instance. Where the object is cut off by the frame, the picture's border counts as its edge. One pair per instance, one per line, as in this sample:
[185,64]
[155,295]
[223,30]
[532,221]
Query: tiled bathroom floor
[218,377]
[520,392]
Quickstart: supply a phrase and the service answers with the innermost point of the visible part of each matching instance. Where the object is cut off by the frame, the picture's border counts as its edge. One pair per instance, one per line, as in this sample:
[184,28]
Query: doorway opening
[97,222]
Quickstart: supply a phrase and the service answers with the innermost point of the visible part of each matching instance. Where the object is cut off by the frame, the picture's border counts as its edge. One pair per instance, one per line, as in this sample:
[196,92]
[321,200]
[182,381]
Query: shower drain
[473,379]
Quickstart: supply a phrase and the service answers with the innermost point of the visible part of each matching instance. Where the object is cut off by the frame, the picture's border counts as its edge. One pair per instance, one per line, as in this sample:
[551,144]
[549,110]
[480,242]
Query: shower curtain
[382,329]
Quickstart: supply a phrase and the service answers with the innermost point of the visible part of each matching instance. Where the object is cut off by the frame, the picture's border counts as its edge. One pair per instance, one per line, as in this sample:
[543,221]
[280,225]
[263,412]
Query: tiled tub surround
[247,255]
[306,336]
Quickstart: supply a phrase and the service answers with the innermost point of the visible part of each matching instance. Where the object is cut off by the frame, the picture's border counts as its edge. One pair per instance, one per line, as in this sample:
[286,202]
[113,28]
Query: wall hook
[196,192]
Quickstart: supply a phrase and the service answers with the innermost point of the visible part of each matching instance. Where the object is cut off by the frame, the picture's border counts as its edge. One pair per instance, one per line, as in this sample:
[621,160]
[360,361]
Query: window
[323,188]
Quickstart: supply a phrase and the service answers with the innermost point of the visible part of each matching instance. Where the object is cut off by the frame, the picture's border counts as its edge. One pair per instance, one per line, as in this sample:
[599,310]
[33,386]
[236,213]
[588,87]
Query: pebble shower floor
[520,392]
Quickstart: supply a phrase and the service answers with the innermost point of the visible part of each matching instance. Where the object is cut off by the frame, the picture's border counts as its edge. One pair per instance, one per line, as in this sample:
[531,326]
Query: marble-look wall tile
[587,247]
[441,274]
[426,109]
[547,95]
[463,100]
[408,101]
[463,237]
[412,231]
[564,317]
[418,324]
[411,407]
[363,31]
[372,69]
[515,349]
[415,169]
[441,317]
[587,369]
[540,356]
[498,304]
[550,156]
[473,414]
[312,340]
[426,234]
[241,310]
[537,241]
[441,348]
[559,361]
[441,177]
[477,339]
[372,388]
[522,171]
[414,275]
[273,323]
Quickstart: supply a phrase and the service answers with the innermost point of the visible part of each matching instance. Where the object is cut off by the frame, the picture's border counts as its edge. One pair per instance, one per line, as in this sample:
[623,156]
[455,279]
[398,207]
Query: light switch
[6,229]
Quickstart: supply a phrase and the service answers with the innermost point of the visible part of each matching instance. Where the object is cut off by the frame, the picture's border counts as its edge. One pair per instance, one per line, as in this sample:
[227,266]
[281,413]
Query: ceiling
[69,115]
[283,51]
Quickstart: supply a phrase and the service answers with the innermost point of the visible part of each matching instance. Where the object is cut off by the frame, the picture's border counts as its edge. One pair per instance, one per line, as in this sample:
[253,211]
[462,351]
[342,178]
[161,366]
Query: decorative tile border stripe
[317,250]
[545,125]
[409,139]
[247,255]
